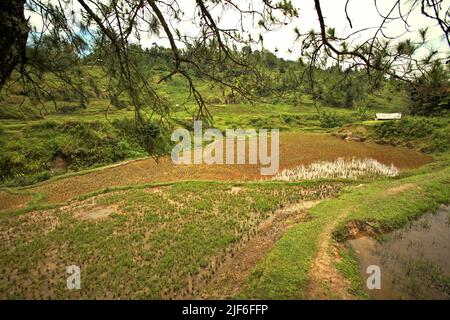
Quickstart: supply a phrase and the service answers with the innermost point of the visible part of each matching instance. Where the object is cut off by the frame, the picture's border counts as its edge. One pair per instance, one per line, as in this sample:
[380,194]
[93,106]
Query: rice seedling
[166,244]
[340,168]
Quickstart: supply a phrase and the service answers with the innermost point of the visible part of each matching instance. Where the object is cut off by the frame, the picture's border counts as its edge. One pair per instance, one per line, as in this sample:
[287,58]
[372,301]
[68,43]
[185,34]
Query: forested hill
[74,114]
[69,84]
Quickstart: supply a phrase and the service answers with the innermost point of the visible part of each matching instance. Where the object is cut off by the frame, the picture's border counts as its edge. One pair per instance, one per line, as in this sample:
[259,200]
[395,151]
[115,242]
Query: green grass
[155,240]
[27,154]
[349,268]
[147,248]
[384,209]
[427,134]
[283,273]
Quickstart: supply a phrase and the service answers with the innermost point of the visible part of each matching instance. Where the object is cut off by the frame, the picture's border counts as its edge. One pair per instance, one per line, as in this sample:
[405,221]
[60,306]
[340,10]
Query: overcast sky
[363,14]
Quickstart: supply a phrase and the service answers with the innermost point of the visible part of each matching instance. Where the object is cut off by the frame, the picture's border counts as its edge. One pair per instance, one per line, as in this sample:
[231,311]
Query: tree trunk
[13,37]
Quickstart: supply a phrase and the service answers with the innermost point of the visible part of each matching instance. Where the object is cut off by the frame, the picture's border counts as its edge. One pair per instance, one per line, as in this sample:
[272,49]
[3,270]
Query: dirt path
[232,273]
[325,282]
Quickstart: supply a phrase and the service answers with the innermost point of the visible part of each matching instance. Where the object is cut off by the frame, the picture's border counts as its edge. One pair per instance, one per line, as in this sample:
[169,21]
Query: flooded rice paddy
[414,261]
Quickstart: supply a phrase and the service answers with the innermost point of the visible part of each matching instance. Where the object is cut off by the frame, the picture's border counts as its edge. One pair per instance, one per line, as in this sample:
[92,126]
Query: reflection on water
[414,261]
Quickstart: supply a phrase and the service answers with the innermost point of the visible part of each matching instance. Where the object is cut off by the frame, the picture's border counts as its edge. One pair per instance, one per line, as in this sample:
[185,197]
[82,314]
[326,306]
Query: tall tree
[116,24]
[13,37]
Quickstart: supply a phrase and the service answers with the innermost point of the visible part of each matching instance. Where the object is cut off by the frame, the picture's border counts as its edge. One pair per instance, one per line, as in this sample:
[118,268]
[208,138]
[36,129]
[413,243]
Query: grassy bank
[385,205]
[48,148]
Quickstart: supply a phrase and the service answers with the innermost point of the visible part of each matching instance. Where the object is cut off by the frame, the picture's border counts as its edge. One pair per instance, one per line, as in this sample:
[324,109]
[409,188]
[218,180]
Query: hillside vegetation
[80,125]
[147,228]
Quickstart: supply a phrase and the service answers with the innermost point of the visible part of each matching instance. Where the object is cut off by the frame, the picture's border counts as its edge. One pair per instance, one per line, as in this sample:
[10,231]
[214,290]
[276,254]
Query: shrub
[8,110]
[429,93]
[214,100]
[362,111]
[71,108]
[424,133]
[81,144]
[330,120]
[407,128]
[439,142]
[290,118]
[232,98]
[117,102]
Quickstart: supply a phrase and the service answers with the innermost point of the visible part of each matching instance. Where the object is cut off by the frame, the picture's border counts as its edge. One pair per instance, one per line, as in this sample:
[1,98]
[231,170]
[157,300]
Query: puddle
[414,261]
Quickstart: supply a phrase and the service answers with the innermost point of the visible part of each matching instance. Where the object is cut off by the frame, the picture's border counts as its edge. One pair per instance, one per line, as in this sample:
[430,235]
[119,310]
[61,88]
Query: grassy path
[232,274]
[324,279]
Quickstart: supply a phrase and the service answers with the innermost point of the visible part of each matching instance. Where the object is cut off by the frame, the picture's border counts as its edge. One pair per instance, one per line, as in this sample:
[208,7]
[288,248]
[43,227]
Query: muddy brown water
[296,148]
[414,261]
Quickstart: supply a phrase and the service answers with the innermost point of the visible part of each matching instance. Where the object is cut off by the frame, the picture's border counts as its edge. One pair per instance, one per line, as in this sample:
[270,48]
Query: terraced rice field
[162,231]
[295,149]
[158,242]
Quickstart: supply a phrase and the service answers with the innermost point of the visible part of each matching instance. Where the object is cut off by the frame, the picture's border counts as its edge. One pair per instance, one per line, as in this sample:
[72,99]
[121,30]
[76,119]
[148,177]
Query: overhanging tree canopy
[112,26]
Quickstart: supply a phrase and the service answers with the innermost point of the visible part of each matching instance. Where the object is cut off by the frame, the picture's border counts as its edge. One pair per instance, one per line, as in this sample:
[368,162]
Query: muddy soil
[295,149]
[414,261]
